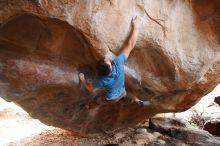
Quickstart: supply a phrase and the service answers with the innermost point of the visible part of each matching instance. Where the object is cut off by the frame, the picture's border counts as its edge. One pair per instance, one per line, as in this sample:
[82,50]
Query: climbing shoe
[144,103]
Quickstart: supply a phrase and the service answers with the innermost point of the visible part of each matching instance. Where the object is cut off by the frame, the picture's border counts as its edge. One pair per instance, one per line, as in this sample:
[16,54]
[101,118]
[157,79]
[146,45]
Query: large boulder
[213,127]
[217,100]
[176,129]
[44,45]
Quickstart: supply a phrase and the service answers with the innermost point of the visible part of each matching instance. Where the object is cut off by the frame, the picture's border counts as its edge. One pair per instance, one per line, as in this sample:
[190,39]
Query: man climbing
[111,75]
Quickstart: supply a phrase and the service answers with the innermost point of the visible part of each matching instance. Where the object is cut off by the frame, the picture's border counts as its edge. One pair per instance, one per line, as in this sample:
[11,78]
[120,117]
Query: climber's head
[104,67]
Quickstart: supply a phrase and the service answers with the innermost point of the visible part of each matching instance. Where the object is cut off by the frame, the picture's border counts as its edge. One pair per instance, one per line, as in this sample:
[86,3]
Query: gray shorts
[119,98]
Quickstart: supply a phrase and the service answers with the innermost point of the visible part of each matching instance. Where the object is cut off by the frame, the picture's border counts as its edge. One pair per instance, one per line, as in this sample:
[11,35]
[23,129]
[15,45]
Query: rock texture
[217,100]
[44,45]
[177,129]
[213,127]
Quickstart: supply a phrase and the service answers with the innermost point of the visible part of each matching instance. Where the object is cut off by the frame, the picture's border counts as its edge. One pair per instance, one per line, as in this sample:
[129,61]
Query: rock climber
[111,74]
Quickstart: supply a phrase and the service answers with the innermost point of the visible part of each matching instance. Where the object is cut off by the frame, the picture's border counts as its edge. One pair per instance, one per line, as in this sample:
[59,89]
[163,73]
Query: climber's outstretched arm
[131,41]
[88,85]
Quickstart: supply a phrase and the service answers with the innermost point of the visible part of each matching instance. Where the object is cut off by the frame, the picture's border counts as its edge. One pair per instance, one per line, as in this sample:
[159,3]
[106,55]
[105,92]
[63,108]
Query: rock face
[213,127]
[217,100]
[177,129]
[43,47]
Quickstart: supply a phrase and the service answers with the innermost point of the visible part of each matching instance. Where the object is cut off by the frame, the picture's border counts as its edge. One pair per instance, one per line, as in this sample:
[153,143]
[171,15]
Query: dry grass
[197,119]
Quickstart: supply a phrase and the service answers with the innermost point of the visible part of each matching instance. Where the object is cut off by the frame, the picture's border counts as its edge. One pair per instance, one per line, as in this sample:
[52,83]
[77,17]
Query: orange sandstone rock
[44,45]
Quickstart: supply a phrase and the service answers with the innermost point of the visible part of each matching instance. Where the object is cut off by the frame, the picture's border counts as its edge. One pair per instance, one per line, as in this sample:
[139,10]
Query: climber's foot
[144,103]
[141,102]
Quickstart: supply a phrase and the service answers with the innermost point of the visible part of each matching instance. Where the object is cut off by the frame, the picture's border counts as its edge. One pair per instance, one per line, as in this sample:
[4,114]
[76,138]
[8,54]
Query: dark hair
[103,68]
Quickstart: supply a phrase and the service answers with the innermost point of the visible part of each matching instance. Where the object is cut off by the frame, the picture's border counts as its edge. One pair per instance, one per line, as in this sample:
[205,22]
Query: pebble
[119,136]
[156,134]
[141,131]
[160,141]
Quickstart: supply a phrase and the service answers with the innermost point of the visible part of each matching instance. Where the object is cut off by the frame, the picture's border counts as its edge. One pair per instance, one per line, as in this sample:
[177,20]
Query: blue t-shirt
[114,82]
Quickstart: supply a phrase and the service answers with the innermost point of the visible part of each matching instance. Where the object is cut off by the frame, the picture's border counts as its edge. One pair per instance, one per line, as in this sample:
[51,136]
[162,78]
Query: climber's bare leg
[102,100]
[95,102]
